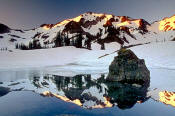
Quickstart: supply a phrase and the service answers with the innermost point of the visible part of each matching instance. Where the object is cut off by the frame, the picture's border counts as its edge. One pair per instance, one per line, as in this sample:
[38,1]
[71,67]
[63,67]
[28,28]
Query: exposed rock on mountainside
[91,28]
[4,29]
[128,68]
[167,24]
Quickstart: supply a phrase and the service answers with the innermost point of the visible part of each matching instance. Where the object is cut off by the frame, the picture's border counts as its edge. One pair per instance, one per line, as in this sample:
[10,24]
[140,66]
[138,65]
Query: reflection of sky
[32,13]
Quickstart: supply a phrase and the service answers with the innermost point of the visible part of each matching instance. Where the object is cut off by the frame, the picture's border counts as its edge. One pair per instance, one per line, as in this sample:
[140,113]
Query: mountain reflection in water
[167,98]
[83,90]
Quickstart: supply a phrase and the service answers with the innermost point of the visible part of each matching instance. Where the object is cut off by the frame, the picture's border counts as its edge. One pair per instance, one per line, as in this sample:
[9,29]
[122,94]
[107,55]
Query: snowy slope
[39,58]
[157,55]
[95,29]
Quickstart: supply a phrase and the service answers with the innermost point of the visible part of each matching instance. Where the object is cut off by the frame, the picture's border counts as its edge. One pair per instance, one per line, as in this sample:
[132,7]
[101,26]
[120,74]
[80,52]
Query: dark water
[24,93]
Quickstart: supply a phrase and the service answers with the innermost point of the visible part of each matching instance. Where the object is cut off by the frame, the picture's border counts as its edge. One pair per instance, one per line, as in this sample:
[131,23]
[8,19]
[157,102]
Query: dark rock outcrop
[4,29]
[128,68]
[4,91]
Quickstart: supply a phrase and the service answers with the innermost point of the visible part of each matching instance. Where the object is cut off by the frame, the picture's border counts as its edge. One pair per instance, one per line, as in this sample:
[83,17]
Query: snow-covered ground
[62,57]
[156,55]
[39,58]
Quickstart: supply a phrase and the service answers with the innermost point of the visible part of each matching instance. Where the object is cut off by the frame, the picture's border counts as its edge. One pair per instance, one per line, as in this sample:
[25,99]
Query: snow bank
[157,55]
[74,60]
[39,58]
[64,59]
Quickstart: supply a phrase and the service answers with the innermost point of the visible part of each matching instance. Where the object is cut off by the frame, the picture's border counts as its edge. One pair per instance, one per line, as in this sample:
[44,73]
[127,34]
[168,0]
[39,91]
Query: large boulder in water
[128,68]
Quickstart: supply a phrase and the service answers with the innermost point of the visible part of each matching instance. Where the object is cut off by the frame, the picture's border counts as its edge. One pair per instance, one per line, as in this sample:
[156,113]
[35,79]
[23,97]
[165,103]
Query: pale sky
[27,14]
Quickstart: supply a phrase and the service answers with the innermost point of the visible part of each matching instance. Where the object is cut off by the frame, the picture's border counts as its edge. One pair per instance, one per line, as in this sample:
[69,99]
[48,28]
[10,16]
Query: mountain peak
[167,24]
[93,18]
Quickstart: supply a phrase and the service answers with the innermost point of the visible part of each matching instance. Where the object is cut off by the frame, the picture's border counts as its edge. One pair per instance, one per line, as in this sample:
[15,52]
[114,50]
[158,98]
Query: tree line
[32,45]
[59,41]
[64,40]
[4,49]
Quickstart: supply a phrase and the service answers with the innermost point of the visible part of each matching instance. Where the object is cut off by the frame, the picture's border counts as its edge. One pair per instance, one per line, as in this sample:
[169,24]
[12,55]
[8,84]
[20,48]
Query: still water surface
[39,93]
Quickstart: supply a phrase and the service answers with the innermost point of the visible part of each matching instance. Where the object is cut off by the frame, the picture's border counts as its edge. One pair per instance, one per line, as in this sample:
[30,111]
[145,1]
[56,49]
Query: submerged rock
[126,95]
[128,68]
[4,91]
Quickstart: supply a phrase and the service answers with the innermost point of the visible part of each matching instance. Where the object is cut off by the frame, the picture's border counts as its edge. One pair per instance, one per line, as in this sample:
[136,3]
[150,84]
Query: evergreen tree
[67,40]
[30,45]
[39,45]
[88,44]
[72,42]
[23,47]
[34,44]
[16,46]
[79,41]
[58,40]
[102,46]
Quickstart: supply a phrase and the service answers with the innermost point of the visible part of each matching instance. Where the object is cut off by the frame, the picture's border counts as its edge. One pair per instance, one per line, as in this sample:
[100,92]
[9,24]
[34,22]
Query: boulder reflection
[126,96]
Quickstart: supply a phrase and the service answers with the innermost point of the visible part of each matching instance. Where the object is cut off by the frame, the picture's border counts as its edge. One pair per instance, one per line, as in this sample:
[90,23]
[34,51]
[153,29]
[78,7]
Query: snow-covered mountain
[88,30]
